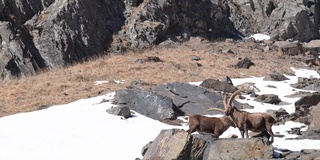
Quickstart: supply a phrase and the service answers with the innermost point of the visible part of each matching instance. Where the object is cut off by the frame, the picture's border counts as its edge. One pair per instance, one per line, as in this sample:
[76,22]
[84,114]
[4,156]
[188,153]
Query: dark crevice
[178,111]
[180,106]
[270,8]
[177,94]
[13,68]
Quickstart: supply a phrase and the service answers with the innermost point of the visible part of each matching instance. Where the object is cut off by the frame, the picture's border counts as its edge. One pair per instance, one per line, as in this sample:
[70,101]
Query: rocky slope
[44,34]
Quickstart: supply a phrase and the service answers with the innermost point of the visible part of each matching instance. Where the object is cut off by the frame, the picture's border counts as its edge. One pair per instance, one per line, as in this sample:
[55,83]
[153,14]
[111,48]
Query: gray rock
[195,58]
[303,107]
[268,98]
[226,79]
[248,86]
[280,115]
[307,101]
[244,63]
[310,154]
[19,11]
[46,34]
[146,103]
[191,99]
[275,77]
[178,145]
[18,55]
[140,82]
[120,111]
[157,21]
[145,148]
[295,130]
[313,131]
[307,84]
[289,48]
[73,31]
[281,19]
[312,45]
[218,85]
[253,148]
[153,59]
[166,102]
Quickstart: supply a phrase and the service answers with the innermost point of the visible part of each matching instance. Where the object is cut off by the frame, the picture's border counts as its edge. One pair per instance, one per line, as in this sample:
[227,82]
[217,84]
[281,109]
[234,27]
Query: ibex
[216,126]
[256,122]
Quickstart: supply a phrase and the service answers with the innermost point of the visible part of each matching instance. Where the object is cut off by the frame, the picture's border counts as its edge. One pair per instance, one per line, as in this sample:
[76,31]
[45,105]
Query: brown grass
[71,83]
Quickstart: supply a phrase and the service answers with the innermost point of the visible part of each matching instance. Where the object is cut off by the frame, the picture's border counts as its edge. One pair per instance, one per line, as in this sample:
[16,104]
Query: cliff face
[50,34]
[297,20]
[45,34]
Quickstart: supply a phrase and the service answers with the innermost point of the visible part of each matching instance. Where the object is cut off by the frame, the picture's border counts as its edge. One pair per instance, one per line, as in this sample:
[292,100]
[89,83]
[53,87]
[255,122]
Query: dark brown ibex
[213,125]
[256,122]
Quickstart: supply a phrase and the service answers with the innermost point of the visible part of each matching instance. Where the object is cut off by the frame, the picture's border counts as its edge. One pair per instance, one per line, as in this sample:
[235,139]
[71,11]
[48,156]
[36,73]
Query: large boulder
[169,144]
[176,144]
[288,48]
[313,131]
[313,46]
[275,77]
[191,99]
[147,103]
[268,98]
[244,63]
[280,115]
[307,101]
[167,101]
[303,106]
[242,149]
[218,85]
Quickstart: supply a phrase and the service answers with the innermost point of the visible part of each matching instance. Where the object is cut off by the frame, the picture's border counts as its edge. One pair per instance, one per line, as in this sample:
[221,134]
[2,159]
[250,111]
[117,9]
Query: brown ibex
[214,125]
[256,122]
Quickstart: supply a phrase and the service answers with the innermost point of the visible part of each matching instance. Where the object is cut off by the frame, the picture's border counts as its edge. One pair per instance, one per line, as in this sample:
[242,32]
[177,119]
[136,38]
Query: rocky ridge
[45,34]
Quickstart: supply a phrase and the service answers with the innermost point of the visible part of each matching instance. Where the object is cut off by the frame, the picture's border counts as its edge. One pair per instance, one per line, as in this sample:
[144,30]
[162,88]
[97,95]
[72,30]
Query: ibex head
[228,104]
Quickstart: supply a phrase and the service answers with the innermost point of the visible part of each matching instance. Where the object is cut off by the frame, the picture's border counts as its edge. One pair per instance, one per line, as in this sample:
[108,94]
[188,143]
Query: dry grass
[67,84]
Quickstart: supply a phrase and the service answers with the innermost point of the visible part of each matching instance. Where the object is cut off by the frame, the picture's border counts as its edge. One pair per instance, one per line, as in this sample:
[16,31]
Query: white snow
[100,82]
[83,130]
[260,37]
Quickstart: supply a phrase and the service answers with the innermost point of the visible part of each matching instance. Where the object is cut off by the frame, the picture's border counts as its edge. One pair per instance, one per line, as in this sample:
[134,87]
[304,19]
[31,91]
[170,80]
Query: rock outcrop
[307,84]
[170,100]
[218,85]
[268,98]
[176,144]
[120,111]
[314,128]
[297,20]
[146,103]
[50,34]
[45,34]
[275,77]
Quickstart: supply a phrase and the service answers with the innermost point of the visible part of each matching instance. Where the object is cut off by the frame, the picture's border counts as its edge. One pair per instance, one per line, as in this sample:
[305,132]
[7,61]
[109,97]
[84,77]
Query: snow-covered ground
[83,130]
[260,37]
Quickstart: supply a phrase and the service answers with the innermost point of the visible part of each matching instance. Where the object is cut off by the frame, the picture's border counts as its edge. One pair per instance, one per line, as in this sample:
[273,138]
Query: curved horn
[233,96]
[216,109]
[225,102]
